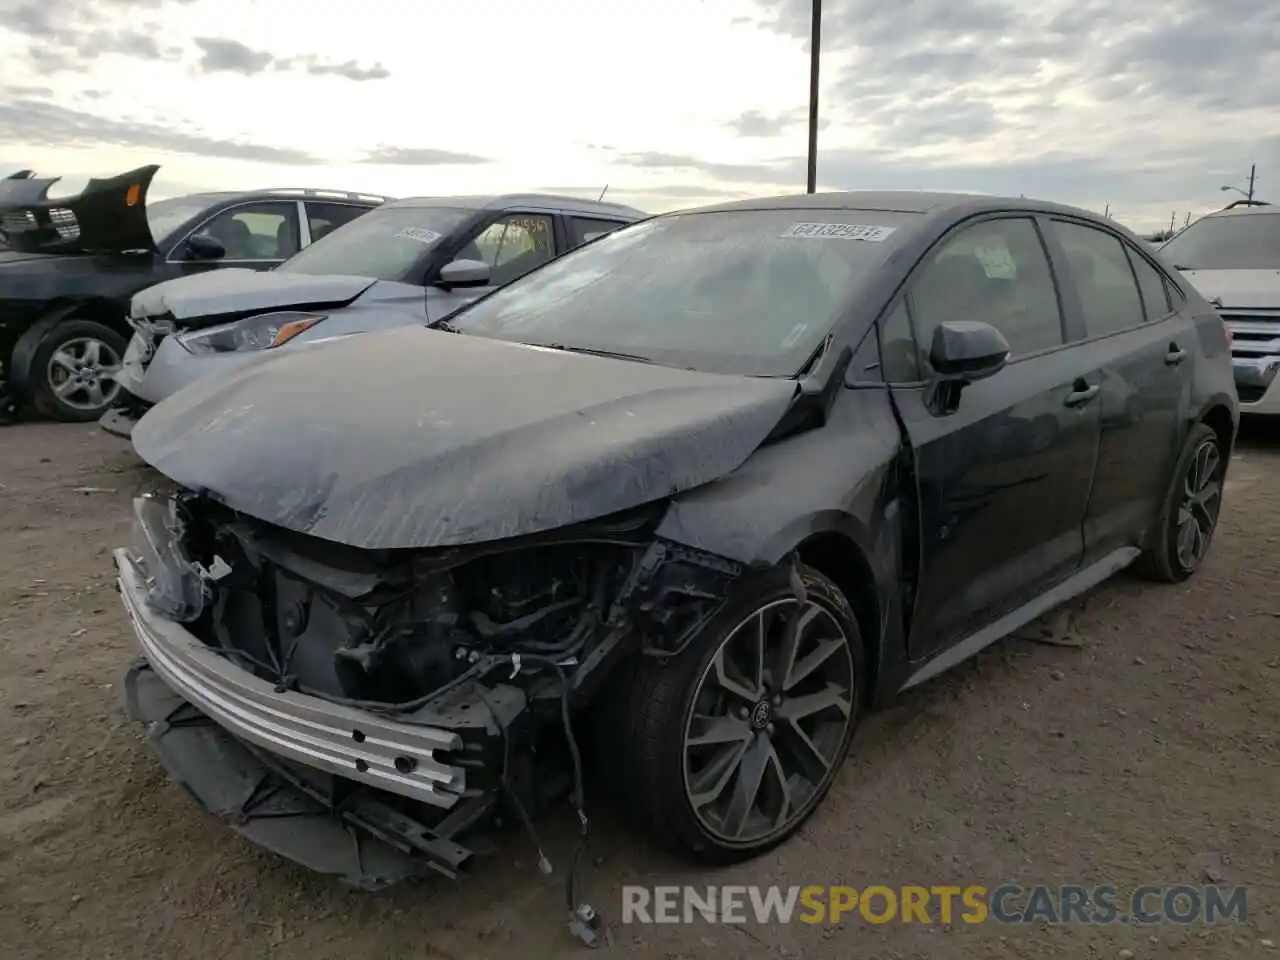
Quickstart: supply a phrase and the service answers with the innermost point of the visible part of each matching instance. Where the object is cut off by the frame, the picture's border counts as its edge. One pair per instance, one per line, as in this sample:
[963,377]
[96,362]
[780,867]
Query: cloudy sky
[1149,106]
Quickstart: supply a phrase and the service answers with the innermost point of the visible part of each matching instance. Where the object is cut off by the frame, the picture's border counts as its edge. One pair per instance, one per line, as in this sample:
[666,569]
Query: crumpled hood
[421,438]
[235,292]
[1248,289]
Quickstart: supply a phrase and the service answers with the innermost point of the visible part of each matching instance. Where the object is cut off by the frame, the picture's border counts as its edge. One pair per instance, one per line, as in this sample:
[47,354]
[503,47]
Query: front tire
[71,368]
[728,748]
[1189,514]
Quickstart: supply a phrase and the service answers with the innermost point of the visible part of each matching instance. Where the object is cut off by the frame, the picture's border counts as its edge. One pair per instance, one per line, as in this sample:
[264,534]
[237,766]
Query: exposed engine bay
[498,643]
[394,628]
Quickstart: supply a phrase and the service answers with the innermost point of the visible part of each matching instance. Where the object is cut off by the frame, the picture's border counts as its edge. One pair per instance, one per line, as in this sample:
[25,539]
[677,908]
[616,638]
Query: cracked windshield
[749,292]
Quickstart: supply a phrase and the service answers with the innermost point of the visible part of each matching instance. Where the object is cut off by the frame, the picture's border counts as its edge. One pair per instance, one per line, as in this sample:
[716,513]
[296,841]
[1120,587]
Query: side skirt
[1077,584]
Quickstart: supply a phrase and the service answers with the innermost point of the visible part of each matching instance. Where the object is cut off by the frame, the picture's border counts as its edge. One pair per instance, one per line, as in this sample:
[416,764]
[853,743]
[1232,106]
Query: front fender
[831,479]
[840,479]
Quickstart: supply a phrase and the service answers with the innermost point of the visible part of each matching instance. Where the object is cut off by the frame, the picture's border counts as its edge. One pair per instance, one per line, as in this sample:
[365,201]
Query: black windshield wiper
[1180,268]
[594,352]
[444,325]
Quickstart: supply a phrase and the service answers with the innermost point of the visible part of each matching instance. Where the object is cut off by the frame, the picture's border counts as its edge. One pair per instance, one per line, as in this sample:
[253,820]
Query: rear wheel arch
[1218,418]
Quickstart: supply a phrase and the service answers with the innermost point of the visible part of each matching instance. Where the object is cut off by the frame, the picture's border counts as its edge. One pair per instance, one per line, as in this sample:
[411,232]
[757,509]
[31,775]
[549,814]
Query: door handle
[1081,395]
[1175,355]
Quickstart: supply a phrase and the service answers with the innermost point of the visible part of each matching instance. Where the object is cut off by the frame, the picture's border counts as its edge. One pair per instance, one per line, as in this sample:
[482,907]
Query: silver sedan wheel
[81,373]
[770,716]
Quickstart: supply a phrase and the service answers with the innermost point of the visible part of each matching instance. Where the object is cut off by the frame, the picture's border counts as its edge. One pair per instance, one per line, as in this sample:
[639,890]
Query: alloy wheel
[769,718]
[1199,505]
[81,373]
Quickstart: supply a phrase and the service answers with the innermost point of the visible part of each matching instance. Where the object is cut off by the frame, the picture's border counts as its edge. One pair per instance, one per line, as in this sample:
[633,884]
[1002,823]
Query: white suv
[1233,258]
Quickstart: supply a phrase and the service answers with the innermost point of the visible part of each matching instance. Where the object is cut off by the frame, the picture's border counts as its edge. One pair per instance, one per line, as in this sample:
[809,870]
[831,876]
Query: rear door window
[1103,276]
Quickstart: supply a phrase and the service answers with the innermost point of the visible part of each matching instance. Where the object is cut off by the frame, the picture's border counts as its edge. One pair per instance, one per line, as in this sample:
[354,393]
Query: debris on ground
[1122,776]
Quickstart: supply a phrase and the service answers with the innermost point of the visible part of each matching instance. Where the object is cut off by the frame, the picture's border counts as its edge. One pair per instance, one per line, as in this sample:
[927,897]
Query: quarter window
[1100,267]
[994,272]
[324,218]
[1151,284]
[585,229]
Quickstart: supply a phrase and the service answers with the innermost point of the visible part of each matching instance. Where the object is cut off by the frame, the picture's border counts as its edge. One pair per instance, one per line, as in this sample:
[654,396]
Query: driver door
[1003,478]
[256,236]
[512,245]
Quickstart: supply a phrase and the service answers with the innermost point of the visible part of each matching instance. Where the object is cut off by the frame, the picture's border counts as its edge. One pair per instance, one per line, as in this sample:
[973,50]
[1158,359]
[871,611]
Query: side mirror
[203,246]
[464,273]
[966,351]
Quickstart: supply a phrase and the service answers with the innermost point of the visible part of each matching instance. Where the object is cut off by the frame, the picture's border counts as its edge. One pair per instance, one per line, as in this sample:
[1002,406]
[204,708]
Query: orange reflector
[135,193]
[290,330]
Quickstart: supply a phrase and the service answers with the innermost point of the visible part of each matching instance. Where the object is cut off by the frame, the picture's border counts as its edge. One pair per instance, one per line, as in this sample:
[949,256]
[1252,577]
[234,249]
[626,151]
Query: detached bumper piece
[320,822]
[120,419]
[118,422]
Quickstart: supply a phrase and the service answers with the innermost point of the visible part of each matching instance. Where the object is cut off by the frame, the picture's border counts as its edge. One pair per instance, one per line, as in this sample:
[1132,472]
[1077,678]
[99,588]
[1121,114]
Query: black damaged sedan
[695,495]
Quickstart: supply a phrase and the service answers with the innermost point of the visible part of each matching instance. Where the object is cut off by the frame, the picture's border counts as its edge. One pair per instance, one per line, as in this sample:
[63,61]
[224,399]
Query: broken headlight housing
[177,586]
[252,333]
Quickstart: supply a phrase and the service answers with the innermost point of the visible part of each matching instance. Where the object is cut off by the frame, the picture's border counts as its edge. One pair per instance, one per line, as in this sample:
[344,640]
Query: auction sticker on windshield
[838,231]
[419,234]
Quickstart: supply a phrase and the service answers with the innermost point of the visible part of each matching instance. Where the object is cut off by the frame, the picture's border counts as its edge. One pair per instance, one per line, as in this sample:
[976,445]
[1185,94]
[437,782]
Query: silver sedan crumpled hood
[422,438]
[236,290]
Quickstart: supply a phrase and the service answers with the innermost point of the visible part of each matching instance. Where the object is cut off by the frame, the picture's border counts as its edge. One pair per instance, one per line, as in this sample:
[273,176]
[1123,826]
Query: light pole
[815,49]
[1248,195]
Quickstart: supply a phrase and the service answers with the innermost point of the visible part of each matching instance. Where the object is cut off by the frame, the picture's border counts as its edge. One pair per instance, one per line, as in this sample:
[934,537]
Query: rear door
[1004,476]
[1140,351]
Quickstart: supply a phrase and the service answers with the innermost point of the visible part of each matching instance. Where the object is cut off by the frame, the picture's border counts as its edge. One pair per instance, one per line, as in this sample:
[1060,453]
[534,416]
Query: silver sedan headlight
[252,333]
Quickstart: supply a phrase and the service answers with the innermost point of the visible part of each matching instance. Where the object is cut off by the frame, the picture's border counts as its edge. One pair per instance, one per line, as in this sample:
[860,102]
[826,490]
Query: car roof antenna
[602,193]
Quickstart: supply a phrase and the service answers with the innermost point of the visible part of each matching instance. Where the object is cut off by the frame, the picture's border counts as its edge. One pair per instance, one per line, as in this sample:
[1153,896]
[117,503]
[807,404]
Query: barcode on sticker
[838,231]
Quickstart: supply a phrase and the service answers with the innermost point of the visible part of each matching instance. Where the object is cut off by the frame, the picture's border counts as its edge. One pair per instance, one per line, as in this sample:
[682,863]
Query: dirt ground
[1149,753]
